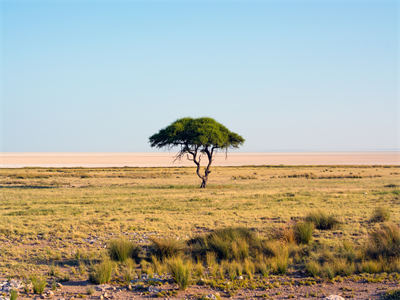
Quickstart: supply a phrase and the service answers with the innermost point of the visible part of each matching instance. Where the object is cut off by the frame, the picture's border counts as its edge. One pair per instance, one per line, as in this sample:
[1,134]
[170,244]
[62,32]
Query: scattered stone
[103,287]
[334,297]
[7,286]
[153,289]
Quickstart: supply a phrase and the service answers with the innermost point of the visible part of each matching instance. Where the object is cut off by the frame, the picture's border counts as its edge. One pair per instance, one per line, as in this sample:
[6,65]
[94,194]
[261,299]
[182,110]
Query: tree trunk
[203,182]
[207,171]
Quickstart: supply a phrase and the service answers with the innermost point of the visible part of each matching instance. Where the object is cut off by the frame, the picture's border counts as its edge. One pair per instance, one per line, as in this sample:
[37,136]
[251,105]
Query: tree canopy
[196,137]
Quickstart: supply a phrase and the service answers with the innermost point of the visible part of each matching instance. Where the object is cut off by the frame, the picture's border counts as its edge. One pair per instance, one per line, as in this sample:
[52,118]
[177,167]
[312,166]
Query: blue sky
[287,75]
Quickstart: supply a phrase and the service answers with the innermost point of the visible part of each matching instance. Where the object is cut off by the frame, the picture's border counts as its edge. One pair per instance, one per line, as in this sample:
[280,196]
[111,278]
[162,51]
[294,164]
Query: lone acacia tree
[197,137]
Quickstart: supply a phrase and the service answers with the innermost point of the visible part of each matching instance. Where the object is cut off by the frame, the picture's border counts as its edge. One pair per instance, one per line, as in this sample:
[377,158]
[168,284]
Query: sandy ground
[165,159]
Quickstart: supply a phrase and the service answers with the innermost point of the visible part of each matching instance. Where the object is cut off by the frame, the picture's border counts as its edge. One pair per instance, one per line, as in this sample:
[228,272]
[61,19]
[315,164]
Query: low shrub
[236,243]
[233,269]
[348,251]
[370,266]
[380,214]
[322,220]
[212,263]
[328,263]
[198,270]
[180,271]
[384,242]
[249,268]
[343,267]
[122,249]
[102,272]
[303,232]
[158,266]
[128,270]
[279,264]
[38,284]
[313,268]
[166,248]
[262,268]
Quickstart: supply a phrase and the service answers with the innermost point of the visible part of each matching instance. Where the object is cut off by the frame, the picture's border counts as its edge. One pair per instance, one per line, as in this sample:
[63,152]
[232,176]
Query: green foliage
[322,220]
[38,284]
[201,132]
[380,214]
[180,271]
[303,232]
[122,249]
[196,137]
[102,272]
[166,248]
[384,242]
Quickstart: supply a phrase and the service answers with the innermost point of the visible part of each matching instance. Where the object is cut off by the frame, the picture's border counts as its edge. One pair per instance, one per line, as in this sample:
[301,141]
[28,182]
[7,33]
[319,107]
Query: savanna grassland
[57,224]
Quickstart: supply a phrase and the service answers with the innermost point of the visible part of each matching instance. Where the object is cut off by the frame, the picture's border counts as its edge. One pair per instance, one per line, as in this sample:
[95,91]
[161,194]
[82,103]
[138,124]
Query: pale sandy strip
[163,159]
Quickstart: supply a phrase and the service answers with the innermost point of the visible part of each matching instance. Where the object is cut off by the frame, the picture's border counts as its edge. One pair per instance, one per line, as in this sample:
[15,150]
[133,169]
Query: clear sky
[287,75]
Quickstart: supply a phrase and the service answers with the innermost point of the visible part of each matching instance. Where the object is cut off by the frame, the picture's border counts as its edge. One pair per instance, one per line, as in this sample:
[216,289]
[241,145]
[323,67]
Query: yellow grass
[65,215]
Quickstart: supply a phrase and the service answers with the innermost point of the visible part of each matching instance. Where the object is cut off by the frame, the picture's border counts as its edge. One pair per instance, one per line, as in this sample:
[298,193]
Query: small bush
[384,242]
[322,220]
[128,270]
[38,284]
[198,269]
[303,232]
[313,268]
[279,264]
[233,269]
[166,248]
[102,272]
[342,267]
[235,243]
[371,266]
[347,251]
[328,263]
[380,214]
[147,268]
[392,295]
[212,264]
[122,249]
[288,235]
[158,266]
[249,268]
[262,268]
[180,271]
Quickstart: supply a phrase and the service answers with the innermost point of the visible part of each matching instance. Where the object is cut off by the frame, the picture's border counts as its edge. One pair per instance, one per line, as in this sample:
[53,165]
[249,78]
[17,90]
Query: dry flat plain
[56,224]
[166,159]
